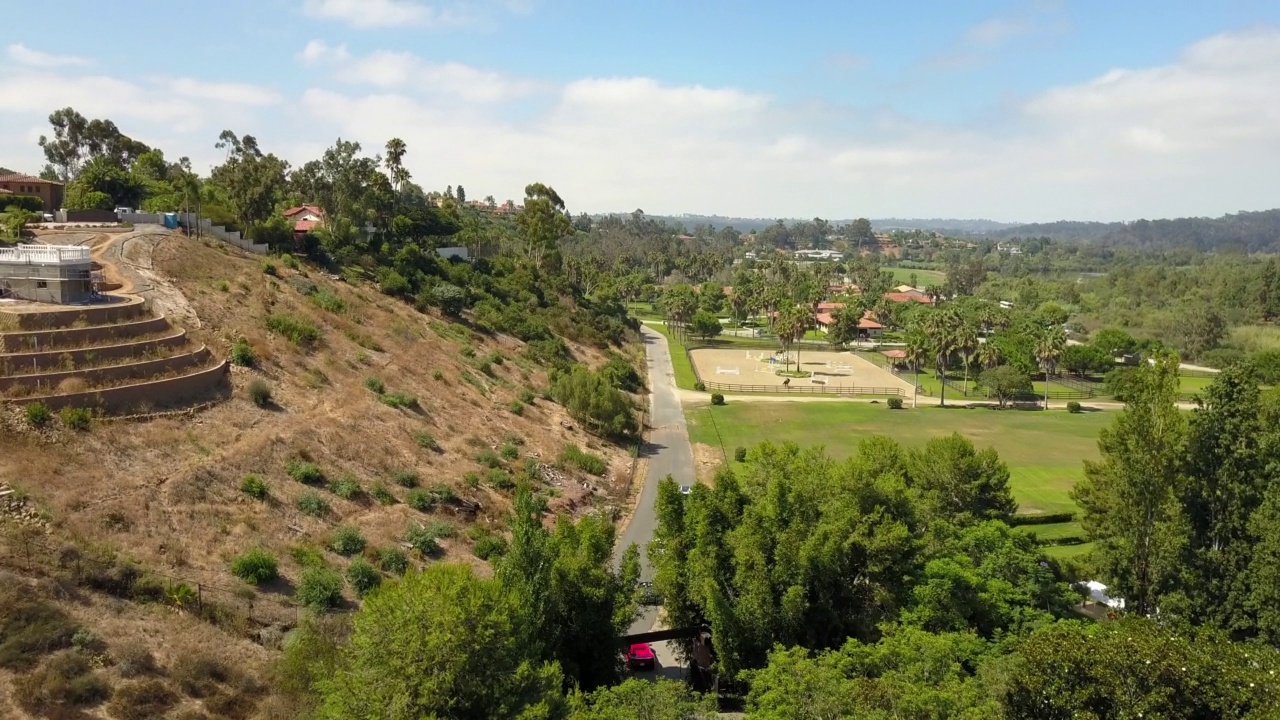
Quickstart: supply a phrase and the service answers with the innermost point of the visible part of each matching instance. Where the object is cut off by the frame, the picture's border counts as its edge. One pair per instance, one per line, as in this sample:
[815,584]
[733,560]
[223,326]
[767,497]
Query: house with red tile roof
[305,218]
[50,193]
[909,296]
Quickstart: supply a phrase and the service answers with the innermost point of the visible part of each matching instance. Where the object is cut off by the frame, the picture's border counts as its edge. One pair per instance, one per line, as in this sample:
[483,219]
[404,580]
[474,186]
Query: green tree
[941,327]
[1114,342]
[465,658]
[640,700]
[1004,382]
[917,352]
[1129,497]
[593,401]
[253,183]
[959,483]
[793,322]
[705,325]
[1049,345]
[396,150]
[542,223]
[679,303]
[1227,469]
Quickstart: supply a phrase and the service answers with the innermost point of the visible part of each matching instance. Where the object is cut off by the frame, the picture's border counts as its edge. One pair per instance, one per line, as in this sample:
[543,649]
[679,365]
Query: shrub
[290,262]
[510,452]
[304,472]
[309,503]
[76,418]
[485,367]
[382,494]
[488,458]
[301,333]
[375,385]
[574,456]
[65,680]
[527,397]
[346,487]
[516,407]
[895,403]
[260,392]
[490,546]
[450,298]
[398,400]
[700,386]
[319,588]
[501,479]
[423,541]
[38,414]
[199,676]
[592,401]
[426,441]
[362,576]
[420,500]
[133,659]
[347,540]
[437,375]
[441,529]
[405,478]
[472,479]
[255,566]
[1074,407]
[326,300]
[740,454]
[30,628]
[717,399]
[269,268]
[622,374]
[393,560]
[242,353]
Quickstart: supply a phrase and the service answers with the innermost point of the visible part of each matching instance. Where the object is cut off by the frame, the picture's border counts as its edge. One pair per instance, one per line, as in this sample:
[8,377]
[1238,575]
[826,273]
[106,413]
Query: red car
[640,657]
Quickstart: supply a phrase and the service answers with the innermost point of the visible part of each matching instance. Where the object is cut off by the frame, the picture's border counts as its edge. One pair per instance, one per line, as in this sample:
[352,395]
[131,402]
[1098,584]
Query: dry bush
[72,385]
[65,681]
[199,676]
[141,700]
[29,629]
[134,659]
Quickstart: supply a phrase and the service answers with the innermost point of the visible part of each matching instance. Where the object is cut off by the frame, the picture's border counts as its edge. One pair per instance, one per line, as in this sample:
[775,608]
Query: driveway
[667,452]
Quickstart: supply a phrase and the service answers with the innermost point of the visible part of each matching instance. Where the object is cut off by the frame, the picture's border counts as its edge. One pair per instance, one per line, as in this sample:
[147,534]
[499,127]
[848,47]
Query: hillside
[460,415]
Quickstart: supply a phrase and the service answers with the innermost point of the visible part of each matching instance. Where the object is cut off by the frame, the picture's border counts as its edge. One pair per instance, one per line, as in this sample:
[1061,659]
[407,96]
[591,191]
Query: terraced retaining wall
[166,392]
[130,309]
[112,373]
[54,359]
[40,340]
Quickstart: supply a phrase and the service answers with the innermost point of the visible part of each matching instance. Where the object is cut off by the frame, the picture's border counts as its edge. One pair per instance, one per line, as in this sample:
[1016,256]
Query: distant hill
[1243,231]
[949,226]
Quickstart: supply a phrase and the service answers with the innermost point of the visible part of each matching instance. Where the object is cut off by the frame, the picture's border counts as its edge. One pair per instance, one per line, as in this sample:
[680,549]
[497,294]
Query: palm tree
[395,164]
[988,355]
[966,339]
[1050,343]
[940,327]
[793,322]
[916,352]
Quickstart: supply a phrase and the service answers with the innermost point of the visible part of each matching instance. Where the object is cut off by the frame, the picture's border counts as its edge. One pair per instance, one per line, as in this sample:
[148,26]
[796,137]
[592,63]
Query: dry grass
[1253,338]
[166,493]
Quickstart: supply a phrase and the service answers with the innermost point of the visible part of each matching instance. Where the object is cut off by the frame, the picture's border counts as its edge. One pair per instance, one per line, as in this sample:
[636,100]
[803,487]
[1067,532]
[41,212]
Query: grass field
[924,278]
[1044,450]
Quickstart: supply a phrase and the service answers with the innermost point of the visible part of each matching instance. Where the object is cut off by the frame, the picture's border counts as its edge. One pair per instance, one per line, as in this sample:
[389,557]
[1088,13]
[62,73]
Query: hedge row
[1042,519]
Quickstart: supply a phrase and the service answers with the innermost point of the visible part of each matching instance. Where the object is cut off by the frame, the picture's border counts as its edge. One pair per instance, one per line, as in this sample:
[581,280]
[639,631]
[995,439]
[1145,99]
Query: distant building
[47,273]
[50,193]
[305,218]
[453,253]
[819,255]
[908,296]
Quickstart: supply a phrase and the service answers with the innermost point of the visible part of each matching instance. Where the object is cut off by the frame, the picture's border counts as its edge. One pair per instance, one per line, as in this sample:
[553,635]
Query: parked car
[686,489]
[641,657]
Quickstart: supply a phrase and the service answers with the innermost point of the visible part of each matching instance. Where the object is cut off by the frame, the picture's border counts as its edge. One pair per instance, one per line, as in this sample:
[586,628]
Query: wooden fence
[809,389]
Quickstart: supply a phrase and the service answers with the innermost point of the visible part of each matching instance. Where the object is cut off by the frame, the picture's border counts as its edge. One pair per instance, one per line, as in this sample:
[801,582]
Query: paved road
[667,453]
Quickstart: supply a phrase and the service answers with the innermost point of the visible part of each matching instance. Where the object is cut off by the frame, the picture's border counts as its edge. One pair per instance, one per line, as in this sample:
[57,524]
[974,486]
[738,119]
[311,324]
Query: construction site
[77,329]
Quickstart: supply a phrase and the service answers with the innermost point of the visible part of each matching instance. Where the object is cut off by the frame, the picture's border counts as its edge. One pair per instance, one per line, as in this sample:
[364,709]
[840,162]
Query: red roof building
[305,217]
[905,297]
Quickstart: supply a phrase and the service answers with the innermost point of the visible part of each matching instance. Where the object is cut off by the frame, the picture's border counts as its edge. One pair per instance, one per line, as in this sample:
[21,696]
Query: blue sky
[1035,110]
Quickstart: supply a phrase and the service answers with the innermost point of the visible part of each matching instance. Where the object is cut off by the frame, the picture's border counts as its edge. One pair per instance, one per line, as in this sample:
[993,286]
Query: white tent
[1098,593]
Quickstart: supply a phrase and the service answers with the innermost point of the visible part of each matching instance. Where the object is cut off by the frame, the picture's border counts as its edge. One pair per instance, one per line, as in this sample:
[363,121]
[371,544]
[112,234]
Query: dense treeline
[1241,232]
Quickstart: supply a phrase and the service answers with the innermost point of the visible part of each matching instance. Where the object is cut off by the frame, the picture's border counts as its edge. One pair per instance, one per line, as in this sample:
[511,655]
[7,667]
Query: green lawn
[1044,450]
[924,278]
[1056,531]
[1062,552]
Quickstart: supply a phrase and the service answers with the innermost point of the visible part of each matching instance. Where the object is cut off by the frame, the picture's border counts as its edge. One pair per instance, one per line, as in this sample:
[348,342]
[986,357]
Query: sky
[1026,111]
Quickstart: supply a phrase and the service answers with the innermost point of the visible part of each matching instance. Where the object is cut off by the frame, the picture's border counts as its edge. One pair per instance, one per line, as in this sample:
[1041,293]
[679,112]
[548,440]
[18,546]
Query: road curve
[667,452]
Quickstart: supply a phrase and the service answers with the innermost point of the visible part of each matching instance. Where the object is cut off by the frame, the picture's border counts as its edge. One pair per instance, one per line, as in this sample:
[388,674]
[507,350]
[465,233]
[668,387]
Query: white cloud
[234,93]
[1196,136]
[383,13]
[403,70]
[24,55]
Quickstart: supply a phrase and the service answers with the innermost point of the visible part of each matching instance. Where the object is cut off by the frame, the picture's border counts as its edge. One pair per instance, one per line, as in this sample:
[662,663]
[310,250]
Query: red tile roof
[901,297]
[313,209]
[894,354]
[830,306]
[869,324]
[19,177]
[303,226]
[824,318]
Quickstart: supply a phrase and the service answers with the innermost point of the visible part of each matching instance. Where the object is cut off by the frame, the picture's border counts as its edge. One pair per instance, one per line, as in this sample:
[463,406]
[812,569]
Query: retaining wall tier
[129,308]
[39,340]
[112,373]
[41,361]
[145,396]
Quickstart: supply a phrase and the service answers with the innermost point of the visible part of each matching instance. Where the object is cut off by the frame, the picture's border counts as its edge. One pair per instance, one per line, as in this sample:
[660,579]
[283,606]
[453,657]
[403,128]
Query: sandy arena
[832,369]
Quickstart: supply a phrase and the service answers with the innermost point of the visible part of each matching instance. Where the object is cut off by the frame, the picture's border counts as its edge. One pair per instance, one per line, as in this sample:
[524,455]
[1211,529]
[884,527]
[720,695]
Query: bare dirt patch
[752,367]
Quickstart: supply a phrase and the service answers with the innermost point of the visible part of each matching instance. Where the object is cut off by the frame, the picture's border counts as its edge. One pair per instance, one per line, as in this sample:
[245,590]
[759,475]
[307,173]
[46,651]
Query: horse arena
[830,370]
